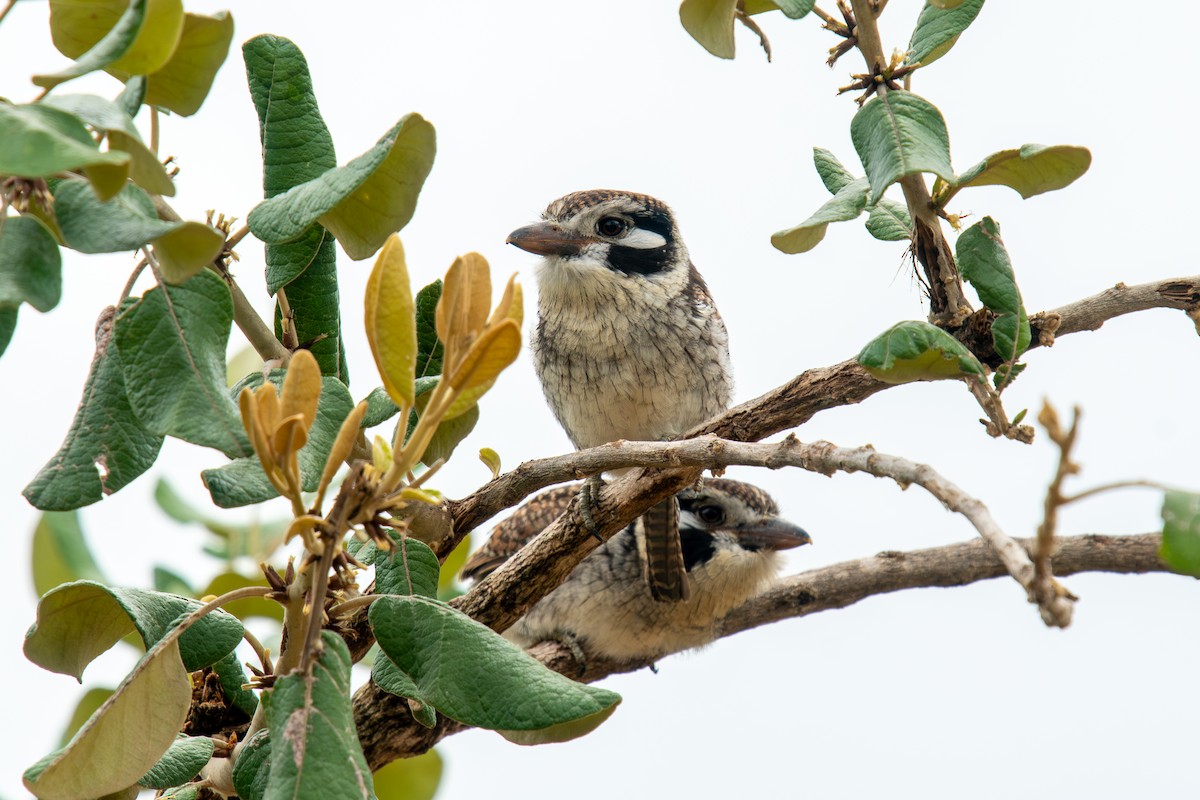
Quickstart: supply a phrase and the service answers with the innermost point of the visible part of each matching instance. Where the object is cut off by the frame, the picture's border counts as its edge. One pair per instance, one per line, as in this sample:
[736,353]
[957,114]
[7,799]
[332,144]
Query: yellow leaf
[491,460]
[420,495]
[288,438]
[463,307]
[488,356]
[301,388]
[381,454]
[511,305]
[252,422]
[391,322]
[266,397]
[156,40]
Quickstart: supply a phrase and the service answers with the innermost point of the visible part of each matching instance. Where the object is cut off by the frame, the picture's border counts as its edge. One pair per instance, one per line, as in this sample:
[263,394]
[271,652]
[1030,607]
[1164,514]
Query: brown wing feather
[513,533]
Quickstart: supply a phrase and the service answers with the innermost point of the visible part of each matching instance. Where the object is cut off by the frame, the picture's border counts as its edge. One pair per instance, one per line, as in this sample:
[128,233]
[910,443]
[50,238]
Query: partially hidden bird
[628,343]
[731,534]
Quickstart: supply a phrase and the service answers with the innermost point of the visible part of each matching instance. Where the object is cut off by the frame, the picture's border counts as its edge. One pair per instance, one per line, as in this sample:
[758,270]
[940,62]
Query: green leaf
[448,585]
[1031,170]
[410,778]
[315,748]
[253,767]
[795,9]
[255,540]
[917,351]
[132,96]
[60,553]
[832,173]
[449,434]
[30,264]
[251,606]
[141,40]
[243,482]
[889,221]
[8,323]
[847,204]
[393,680]
[1181,532]
[297,148]
[985,265]
[296,143]
[101,114]
[938,29]
[900,134]
[171,582]
[233,678]
[78,621]
[189,791]
[183,83]
[107,445]
[362,203]
[88,704]
[471,674]
[410,568]
[125,737]
[172,345]
[430,351]
[37,141]
[186,756]
[710,22]
[127,222]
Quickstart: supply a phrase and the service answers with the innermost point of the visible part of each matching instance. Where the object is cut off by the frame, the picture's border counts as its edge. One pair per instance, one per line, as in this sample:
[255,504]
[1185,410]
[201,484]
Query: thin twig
[1045,588]
[349,605]
[316,604]
[133,276]
[154,130]
[1108,487]
[829,19]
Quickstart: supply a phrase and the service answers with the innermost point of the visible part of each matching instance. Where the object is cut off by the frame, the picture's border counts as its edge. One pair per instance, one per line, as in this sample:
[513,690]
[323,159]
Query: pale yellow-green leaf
[301,388]
[188,249]
[563,732]
[494,350]
[511,305]
[241,364]
[409,778]
[108,179]
[381,454]
[88,705]
[391,322]
[184,82]
[144,167]
[125,737]
[156,40]
[710,22]
[491,460]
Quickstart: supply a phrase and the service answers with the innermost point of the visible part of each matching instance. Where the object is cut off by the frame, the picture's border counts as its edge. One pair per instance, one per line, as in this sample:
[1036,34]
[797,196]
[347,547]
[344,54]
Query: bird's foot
[588,494]
[571,642]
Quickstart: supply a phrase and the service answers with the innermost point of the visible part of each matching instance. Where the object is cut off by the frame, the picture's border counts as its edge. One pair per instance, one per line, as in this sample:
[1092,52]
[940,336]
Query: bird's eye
[711,515]
[611,226]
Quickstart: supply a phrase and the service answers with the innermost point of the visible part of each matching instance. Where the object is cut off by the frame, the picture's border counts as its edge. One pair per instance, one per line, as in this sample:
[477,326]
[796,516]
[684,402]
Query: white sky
[923,694]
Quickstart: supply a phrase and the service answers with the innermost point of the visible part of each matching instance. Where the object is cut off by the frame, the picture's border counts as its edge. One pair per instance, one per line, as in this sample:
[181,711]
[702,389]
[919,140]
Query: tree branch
[388,731]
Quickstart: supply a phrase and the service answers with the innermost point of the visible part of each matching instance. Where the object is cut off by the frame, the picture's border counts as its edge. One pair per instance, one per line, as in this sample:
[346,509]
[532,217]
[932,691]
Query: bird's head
[602,237]
[728,514]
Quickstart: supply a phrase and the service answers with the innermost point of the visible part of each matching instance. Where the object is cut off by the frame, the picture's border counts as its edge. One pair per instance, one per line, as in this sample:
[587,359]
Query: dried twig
[1045,588]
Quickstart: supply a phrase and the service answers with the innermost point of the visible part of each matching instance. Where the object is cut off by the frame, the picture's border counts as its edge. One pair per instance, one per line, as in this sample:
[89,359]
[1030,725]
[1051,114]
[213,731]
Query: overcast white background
[936,693]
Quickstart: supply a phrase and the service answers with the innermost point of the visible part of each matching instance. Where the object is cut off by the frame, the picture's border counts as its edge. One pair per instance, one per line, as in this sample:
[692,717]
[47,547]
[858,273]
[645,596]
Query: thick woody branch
[388,731]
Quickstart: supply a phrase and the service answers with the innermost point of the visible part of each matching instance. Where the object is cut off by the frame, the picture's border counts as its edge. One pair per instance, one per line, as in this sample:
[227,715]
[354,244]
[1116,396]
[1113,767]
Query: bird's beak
[546,239]
[775,534]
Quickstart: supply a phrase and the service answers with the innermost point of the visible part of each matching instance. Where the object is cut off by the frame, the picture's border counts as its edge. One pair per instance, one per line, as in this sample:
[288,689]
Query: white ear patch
[643,239]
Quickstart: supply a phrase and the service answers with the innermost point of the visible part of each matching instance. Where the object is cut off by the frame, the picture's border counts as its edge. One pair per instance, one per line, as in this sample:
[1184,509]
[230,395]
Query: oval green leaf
[1030,170]
[471,674]
[900,134]
[37,141]
[30,264]
[985,265]
[847,204]
[710,22]
[390,318]
[60,553]
[1181,532]
[938,29]
[917,351]
[186,756]
[361,203]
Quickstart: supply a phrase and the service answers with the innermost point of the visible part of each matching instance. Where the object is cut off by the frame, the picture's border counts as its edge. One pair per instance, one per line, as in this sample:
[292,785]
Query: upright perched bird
[628,343]
[731,533]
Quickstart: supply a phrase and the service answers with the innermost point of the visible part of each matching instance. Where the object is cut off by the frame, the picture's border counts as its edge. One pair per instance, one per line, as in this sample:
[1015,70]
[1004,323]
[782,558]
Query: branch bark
[388,731]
